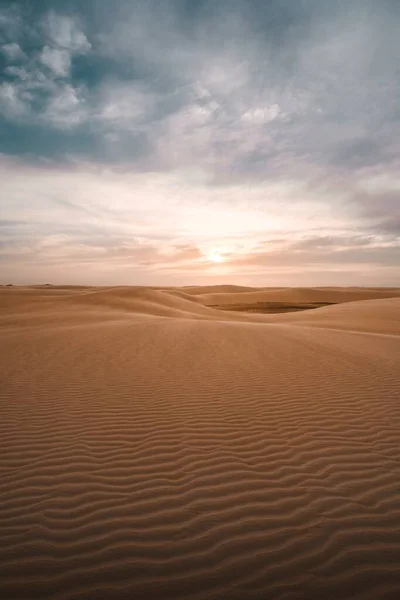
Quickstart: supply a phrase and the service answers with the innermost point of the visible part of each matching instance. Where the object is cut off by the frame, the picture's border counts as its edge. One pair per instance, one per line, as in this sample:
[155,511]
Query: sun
[215,256]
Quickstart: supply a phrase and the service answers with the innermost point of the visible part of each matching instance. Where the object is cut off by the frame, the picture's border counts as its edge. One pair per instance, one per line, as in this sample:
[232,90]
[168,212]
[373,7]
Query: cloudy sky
[190,142]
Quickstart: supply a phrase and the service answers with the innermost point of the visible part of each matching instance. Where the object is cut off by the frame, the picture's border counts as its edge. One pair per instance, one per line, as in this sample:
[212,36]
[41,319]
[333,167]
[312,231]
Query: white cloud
[66,33]
[225,75]
[36,89]
[124,105]
[260,116]
[115,225]
[12,105]
[381,183]
[65,108]
[13,51]
[59,61]
[141,204]
[19,72]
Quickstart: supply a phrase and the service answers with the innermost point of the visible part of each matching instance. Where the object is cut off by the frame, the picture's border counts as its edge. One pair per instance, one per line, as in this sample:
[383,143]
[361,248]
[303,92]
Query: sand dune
[297,295]
[379,316]
[153,447]
[215,289]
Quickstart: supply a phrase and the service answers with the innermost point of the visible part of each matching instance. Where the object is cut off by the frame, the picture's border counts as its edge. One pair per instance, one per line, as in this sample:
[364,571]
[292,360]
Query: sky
[179,142]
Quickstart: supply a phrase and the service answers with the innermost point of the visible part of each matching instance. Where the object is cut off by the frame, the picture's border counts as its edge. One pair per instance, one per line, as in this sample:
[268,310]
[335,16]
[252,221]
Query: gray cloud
[66,32]
[13,51]
[249,89]
[39,89]
[285,110]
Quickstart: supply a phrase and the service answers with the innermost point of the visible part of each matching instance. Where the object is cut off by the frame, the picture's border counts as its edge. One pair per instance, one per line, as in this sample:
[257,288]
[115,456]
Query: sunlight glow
[215,256]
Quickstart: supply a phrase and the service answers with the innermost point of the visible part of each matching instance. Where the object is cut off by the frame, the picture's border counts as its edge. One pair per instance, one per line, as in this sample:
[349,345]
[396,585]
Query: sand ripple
[148,453]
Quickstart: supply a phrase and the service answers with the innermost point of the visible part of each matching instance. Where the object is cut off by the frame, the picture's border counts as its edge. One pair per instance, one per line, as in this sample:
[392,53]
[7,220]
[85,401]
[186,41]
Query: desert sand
[154,446]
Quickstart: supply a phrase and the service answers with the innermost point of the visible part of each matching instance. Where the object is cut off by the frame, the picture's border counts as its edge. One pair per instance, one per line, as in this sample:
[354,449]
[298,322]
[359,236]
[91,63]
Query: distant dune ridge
[154,446]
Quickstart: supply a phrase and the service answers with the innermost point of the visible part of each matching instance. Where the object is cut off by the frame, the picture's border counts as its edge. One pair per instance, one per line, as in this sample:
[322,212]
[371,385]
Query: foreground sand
[154,447]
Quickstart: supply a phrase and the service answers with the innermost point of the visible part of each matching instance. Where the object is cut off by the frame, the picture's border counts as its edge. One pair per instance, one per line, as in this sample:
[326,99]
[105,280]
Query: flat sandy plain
[154,447]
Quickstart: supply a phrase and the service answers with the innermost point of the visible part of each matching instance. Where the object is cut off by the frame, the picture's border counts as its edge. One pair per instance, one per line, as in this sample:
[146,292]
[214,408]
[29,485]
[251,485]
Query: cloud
[167,223]
[10,22]
[40,89]
[66,32]
[124,106]
[59,61]
[246,91]
[260,116]
[13,51]
[14,102]
[65,107]
[225,124]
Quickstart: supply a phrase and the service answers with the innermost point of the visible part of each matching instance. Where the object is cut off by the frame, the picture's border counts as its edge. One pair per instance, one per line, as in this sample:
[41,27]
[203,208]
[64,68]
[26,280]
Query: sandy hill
[333,295]
[155,447]
[214,289]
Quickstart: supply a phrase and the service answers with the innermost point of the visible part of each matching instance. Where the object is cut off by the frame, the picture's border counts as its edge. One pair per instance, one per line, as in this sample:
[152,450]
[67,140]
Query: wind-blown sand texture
[154,447]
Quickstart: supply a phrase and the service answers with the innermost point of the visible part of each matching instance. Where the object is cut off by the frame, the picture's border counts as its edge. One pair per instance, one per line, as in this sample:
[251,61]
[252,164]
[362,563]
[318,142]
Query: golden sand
[153,447]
